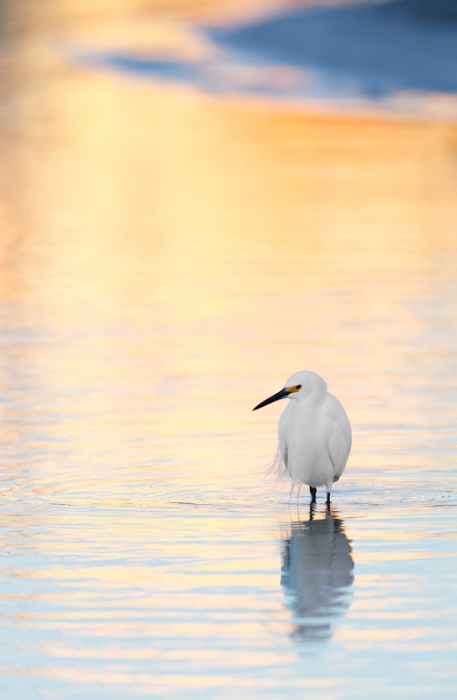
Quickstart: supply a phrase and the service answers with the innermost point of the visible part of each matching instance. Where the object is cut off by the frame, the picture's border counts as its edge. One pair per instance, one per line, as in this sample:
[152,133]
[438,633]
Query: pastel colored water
[167,260]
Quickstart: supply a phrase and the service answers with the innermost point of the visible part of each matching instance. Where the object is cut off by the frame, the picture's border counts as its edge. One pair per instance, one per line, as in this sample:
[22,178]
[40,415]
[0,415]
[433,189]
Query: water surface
[168,259]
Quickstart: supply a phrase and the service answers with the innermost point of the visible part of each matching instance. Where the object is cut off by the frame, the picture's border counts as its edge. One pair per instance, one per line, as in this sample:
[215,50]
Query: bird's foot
[313,492]
[328,499]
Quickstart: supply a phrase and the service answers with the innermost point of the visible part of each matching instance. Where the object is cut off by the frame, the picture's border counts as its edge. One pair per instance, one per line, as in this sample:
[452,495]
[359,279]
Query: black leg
[313,492]
[328,498]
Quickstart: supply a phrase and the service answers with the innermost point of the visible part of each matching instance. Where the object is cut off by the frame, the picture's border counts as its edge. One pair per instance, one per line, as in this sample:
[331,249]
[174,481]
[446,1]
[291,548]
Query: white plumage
[314,432]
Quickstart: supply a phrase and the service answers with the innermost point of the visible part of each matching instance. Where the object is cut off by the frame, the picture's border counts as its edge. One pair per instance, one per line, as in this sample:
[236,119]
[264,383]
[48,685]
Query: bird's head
[297,386]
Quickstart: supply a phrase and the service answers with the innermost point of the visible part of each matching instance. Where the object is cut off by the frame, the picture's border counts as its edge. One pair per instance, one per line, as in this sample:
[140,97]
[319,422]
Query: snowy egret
[314,432]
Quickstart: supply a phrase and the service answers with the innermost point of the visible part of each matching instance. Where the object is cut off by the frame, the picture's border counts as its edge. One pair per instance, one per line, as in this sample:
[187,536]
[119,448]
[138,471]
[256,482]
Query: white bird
[314,432]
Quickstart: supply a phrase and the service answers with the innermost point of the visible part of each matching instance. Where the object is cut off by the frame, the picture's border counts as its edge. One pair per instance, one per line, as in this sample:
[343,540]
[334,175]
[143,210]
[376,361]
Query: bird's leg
[313,491]
[328,486]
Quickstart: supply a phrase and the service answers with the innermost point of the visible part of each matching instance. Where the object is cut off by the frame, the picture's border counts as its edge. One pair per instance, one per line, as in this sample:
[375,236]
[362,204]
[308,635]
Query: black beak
[276,397]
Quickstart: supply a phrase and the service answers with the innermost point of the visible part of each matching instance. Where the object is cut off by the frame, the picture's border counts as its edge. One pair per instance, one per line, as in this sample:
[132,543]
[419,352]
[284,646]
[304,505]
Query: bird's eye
[298,387]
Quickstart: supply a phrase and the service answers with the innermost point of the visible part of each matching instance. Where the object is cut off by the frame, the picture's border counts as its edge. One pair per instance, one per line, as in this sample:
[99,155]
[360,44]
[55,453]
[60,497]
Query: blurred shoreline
[387,57]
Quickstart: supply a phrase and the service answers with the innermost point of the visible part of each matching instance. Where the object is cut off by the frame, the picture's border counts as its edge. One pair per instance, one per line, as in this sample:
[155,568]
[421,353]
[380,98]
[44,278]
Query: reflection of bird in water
[317,575]
[314,432]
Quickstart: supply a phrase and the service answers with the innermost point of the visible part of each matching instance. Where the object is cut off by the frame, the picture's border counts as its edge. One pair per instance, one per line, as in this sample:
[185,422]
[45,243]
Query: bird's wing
[339,438]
